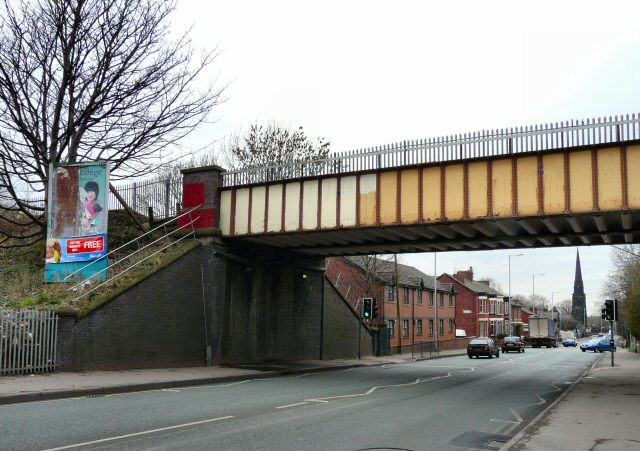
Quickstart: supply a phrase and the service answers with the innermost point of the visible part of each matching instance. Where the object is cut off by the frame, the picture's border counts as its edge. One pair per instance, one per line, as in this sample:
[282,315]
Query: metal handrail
[134,265]
[454,147]
[188,212]
[117,262]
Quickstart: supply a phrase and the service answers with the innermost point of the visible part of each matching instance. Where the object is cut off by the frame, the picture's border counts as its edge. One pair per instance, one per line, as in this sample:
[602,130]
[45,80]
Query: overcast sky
[365,73]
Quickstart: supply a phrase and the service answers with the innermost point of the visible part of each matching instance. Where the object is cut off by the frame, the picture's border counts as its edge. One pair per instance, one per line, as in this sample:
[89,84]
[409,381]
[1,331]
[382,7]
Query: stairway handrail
[128,243]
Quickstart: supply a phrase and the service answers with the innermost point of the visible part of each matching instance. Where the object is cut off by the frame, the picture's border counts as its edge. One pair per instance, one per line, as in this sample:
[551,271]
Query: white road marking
[136,434]
[171,389]
[379,387]
[541,401]
[504,421]
[291,405]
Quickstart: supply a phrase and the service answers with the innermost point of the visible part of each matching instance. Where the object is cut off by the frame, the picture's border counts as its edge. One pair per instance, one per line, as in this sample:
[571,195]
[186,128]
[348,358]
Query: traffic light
[604,313]
[374,308]
[367,305]
[609,310]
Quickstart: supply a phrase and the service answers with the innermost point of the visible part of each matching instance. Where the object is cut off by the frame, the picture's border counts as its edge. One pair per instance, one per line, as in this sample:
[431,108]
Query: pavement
[600,411]
[40,387]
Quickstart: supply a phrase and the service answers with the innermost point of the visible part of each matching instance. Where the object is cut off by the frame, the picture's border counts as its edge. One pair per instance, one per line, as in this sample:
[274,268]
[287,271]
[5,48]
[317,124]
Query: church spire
[578,286]
[579,300]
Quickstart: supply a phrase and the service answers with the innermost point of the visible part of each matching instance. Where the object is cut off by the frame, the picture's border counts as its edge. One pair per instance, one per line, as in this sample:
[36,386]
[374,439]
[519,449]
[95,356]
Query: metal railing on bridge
[163,196]
[482,144]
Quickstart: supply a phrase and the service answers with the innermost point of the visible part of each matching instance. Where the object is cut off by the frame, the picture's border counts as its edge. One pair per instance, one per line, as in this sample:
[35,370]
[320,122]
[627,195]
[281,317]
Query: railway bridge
[566,184]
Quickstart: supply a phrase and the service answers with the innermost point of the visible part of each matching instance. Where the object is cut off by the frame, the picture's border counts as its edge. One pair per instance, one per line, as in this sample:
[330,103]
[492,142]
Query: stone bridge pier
[262,303]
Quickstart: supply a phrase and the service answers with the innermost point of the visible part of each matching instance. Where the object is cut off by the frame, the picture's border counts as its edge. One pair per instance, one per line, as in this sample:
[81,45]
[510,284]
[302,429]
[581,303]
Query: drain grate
[480,440]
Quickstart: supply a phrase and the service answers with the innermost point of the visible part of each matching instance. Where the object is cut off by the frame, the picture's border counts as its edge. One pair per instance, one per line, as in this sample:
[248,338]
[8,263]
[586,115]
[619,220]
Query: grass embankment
[22,271]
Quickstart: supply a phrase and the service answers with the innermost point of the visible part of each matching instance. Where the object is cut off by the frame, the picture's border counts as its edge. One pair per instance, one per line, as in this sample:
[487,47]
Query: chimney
[464,275]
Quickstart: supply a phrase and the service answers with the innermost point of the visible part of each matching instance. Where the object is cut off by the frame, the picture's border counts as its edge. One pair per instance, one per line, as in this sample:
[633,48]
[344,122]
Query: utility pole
[359,330]
[395,276]
[510,319]
[435,301]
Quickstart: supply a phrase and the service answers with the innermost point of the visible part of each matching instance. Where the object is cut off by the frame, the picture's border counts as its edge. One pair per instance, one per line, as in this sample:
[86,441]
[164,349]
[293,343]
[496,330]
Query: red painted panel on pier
[193,195]
[205,218]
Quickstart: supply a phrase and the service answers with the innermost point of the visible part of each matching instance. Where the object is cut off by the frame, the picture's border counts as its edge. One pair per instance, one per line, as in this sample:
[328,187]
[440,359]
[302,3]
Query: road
[450,403]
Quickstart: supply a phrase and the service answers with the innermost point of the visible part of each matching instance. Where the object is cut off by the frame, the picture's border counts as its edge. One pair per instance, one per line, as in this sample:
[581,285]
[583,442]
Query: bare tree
[492,284]
[87,80]
[619,284]
[623,285]
[273,144]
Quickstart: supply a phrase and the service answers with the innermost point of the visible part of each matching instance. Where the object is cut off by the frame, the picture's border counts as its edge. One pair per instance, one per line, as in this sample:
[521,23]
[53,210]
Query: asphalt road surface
[451,403]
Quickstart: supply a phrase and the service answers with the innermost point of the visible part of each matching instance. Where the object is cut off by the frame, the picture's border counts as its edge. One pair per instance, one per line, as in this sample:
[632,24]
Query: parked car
[483,346]
[512,344]
[570,342]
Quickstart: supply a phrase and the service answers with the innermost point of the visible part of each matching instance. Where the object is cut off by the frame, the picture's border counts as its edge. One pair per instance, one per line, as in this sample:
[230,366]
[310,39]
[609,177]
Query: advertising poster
[77,220]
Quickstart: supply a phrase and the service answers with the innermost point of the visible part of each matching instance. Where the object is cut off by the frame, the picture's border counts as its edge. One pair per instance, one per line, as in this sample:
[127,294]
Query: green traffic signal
[367,307]
[609,312]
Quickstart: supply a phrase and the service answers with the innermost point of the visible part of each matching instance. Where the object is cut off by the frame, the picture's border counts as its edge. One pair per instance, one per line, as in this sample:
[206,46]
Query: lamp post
[533,290]
[553,304]
[553,316]
[510,326]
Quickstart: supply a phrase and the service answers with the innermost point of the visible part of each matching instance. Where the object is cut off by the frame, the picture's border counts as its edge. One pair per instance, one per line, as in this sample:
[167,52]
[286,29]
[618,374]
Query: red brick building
[524,315]
[481,311]
[409,309]
[517,318]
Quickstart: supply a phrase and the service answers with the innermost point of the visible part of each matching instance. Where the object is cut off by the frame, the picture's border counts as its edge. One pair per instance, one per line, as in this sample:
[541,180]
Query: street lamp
[510,326]
[553,305]
[533,290]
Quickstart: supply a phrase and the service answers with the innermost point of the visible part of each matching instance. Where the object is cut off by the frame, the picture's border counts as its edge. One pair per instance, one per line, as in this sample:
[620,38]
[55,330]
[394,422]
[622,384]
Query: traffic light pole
[612,342]
[359,337]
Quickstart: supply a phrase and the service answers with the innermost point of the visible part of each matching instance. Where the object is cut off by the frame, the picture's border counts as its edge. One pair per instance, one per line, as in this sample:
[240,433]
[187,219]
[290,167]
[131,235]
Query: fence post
[167,193]
[134,201]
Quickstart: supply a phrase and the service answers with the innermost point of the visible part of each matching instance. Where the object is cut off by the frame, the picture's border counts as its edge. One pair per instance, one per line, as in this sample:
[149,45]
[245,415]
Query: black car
[512,344]
[483,346]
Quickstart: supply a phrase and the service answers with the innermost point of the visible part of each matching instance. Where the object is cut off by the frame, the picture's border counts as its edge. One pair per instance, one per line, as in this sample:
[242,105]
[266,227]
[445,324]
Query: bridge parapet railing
[465,146]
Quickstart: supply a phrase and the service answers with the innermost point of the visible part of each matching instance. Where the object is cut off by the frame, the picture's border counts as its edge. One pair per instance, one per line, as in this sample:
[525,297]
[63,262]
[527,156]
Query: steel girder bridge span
[567,184]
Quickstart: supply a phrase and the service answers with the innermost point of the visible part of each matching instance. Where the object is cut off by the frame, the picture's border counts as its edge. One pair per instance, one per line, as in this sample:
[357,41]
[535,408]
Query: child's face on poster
[91,195]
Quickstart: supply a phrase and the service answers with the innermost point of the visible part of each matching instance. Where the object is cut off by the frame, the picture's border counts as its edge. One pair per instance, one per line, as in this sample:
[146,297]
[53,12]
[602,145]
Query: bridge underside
[484,234]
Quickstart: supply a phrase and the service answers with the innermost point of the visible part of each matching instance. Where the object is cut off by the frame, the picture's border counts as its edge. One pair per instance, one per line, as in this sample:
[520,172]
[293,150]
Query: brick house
[409,310]
[526,313]
[517,318]
[481,311]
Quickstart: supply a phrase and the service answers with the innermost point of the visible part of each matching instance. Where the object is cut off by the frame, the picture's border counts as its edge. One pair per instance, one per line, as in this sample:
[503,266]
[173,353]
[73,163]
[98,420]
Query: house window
[452,299]
[430,298]
[390,293]
[431,327]
[420,297]
[441,327]
[441,299]
[406,296]
[419,327]
[405,328]
[493,307]
[451,326]
[483,306]
[392,328]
